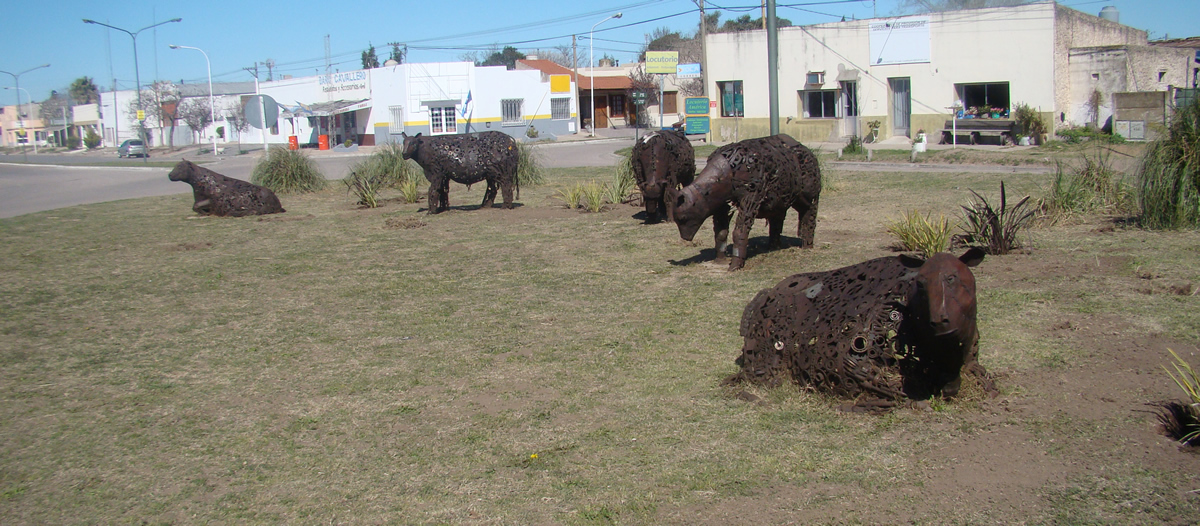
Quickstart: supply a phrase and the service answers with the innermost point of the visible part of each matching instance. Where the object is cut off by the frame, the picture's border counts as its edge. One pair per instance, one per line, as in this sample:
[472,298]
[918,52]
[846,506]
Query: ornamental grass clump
[286,171]
[623,184]
[996,230]
[529,166]
[1181,419]
[1093,186]
[1169,175]
[384,168]
[919,233]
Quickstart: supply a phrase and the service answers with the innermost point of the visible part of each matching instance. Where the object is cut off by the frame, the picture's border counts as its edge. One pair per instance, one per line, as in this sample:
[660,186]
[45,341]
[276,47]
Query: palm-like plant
[996,230]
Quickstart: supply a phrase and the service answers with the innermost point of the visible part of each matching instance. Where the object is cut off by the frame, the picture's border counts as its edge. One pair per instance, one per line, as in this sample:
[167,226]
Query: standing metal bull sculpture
[881,331]
[661,160]
[467,159]
[763,178]
[218,195]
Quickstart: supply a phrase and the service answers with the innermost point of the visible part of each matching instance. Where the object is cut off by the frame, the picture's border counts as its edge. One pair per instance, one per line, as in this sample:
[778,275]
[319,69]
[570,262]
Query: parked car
[131,148]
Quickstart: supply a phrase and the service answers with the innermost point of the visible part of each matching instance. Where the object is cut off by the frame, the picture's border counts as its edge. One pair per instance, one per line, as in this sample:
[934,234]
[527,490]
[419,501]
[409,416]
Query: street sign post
[259,106]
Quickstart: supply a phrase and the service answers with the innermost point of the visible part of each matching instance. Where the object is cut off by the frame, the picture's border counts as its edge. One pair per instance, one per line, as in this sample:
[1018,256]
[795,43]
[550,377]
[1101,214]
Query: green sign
[639,98]
[697,125]
[695,105]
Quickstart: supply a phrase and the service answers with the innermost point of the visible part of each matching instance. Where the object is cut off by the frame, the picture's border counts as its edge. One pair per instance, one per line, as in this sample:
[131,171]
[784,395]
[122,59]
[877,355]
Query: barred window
[512,111]
[397,124]
[560,108]
[441,120]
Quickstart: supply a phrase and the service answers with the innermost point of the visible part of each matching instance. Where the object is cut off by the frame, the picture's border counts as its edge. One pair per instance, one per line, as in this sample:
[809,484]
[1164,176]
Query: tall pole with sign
[661,63]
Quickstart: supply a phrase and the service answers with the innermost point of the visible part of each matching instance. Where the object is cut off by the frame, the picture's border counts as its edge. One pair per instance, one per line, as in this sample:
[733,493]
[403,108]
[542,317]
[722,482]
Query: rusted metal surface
[880,331]
[761,177]
[218,195]
[467,159]
[660,160]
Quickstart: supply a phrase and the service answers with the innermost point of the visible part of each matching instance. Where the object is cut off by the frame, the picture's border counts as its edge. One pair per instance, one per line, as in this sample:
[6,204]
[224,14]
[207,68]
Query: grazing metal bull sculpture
[661,160]
[763,178]
[465,159]
[218,195]
[884,330]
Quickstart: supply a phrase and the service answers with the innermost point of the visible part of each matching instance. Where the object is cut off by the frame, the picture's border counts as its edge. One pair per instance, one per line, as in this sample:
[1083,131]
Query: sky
[237,35]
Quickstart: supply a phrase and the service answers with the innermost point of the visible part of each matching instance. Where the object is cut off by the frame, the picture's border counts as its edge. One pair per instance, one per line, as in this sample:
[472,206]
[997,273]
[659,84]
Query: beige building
[913,73]
[9,128]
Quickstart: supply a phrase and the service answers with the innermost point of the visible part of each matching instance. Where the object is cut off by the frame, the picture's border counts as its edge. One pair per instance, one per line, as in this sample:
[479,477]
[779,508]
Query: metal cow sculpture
[218,195]
[880,331]
[763,178]
[661,160]
[465,159]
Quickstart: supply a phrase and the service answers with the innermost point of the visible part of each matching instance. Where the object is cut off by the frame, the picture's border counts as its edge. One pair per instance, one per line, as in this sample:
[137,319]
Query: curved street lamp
[17,79]
[137,75]
[211,104]
[592,61]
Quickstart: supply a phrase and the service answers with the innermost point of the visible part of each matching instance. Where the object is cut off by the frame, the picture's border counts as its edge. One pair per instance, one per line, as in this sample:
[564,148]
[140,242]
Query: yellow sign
[662,61]
[560,83]
[141,115]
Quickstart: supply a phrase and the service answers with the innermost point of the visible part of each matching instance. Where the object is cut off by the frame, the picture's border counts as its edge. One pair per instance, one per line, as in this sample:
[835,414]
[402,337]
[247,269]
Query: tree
[369,59]
[561,55]
[84,91]
[506,57]
[197,114]
[933,6]
[745,23]
[235,117]
[161,103]
[399,53]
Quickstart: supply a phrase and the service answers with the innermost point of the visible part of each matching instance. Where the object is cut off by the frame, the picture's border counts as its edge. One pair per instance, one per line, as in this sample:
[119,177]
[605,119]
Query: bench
[977,129]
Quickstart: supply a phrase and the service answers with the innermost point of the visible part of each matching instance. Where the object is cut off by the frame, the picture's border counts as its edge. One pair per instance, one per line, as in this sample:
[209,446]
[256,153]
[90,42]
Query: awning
[323,109]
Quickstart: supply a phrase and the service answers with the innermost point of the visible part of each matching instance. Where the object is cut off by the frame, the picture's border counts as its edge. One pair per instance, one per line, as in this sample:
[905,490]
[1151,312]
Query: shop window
[441,120]
[732,104]
[820,104]
[512,111]
[397,124]
[979,97]
[560,108]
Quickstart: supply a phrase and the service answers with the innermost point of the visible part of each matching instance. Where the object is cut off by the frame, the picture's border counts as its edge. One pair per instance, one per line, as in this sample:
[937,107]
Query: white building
[909,72]
[119,118]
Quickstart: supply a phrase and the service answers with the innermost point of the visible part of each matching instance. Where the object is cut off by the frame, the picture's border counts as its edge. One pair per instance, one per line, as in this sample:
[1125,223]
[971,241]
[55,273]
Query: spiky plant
[529,166]
[287,171]
[365,186]
[1170,174]
[593,196]
[408,191]
[1181,420]
[623,183]
[996,230]
[572,196]
[919,233]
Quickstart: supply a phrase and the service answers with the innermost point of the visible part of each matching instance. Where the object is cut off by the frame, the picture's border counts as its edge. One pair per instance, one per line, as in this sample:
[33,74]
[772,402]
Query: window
[980,96]
[731,98]
[820,104]
[441,120]
[616,104]
[512,111]
[560,108]
[670,102]
[397,124]
[815,77]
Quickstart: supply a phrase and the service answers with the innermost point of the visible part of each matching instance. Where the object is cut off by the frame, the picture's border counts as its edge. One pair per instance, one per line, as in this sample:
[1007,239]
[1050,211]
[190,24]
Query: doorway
[901,105]
[849,108]
[600,112]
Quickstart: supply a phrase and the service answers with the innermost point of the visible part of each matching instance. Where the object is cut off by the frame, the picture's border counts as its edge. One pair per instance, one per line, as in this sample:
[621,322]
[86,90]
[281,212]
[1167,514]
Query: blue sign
[687,71]
[697,125]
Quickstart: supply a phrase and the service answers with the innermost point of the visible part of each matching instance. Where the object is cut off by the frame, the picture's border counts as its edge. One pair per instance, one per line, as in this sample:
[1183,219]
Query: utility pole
[773,65]
[575,75]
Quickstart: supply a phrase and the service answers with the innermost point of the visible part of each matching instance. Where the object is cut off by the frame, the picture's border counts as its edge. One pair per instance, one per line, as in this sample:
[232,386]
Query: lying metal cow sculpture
[465,159]
[218,195]
[763,178]
[661,160]
[886,329]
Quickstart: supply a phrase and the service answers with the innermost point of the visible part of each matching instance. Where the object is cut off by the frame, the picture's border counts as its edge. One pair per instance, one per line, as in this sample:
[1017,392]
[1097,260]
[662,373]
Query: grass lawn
[546,366]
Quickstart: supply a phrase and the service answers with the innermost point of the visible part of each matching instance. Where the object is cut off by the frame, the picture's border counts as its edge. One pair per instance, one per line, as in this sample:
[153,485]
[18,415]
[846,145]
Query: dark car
[131,148]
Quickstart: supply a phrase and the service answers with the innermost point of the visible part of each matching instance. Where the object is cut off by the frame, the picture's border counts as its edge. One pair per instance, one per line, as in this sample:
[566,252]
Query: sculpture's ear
[972,257]
[417,135]
[911,261]
[403,135]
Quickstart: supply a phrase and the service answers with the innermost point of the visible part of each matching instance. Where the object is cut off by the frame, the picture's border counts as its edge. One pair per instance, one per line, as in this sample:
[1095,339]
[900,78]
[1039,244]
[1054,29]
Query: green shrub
[1169,175]
[918,233]
[623,183]
[365,185]
[855,145]
[1093,186]
[287,171]
[91,140]
[1029,120]
[996,230]
[529,166]
[1078,134]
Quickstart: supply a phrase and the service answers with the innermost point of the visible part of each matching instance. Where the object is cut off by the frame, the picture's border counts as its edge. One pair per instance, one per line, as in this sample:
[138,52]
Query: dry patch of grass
[348,367]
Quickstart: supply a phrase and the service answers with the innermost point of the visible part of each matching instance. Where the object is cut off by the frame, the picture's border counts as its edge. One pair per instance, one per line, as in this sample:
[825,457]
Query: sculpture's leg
[741,239]
[489,195]
[775,230]
[437,195]
[506,188]
[808,223]
[721,230]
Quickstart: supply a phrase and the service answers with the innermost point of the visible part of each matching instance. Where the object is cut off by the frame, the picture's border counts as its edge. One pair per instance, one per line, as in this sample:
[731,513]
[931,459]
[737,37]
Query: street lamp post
[17,79]
[211,104]
[592,60]
[136,73]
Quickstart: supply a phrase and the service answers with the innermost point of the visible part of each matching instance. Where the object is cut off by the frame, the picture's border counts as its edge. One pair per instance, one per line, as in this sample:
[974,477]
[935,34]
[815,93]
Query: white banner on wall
[900,41]
[350,85]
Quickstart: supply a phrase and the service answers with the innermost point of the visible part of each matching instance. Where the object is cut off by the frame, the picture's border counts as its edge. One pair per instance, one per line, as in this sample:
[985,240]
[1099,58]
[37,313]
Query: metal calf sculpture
[465,159]
[763,178]
[218,195]
[880,331]
[661,160]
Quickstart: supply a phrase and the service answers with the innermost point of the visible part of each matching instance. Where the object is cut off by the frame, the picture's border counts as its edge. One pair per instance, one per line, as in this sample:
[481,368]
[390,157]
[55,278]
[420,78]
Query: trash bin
[322,142]
[293,142]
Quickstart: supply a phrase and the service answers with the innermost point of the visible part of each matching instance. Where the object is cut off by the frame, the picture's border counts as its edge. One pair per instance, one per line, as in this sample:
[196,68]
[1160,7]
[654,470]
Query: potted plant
[874,127]
[919,143]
